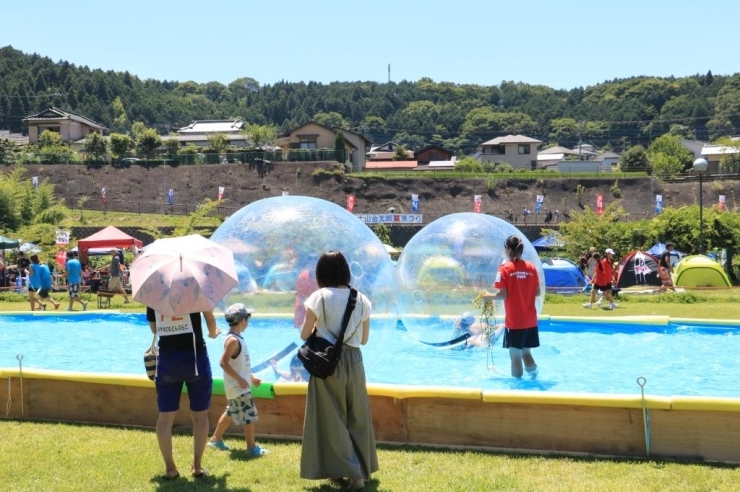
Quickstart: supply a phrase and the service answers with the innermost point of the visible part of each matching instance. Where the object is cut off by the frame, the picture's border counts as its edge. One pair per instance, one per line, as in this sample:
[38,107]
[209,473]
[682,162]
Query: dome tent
[638,268]
[700,271]
[563,276]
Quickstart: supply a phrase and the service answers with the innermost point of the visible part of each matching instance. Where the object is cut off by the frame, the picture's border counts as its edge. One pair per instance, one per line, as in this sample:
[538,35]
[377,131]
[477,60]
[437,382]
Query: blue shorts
[175,367]
[521,339]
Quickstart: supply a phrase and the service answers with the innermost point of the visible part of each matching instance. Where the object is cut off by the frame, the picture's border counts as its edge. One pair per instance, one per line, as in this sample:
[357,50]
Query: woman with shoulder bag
[338,436]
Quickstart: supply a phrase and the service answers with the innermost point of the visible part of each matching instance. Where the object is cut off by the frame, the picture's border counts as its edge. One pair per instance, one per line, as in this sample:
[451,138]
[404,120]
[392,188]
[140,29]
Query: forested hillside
[615,114]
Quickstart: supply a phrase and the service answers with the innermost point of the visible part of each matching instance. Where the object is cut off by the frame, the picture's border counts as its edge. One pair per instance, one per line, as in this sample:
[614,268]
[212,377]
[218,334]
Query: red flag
[476,204]
[721,204]
[350,202]
[599,204]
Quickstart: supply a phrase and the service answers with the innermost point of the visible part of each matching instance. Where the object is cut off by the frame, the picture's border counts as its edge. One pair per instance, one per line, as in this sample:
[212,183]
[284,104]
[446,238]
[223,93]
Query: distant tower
[389,72]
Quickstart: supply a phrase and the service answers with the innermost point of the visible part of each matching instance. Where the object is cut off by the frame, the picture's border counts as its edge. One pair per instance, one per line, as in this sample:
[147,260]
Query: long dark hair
[597,257]
[516,247]
[332,270]
[665,260]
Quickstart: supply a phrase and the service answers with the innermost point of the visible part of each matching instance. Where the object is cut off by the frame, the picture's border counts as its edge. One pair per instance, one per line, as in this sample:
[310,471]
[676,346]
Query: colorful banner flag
[415,203]
[62,238]
[476,204]
[538,205]
[721,204]
[350,202]
[171,197]
[599,204]
[658,204]
[221,190]
[61,258]
[35,181]
[102,195]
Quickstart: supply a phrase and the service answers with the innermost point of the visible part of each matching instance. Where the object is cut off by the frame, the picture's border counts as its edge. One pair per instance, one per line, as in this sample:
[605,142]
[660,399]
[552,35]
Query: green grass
[37,456]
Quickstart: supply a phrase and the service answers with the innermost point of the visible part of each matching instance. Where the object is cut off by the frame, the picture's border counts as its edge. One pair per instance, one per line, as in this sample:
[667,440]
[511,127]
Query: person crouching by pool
[238,381]
[466,325]
[518,285]
[183,359]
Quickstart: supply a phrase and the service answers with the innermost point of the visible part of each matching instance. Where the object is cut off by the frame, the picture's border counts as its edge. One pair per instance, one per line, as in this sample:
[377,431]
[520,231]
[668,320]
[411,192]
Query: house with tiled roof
[70,126]
[313,135]
[197,133]
[517,150]
[385,152]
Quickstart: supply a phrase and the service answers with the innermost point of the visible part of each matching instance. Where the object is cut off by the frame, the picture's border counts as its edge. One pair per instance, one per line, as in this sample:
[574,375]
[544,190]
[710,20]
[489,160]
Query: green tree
[7,149]
[120,144]
[120,119]
[147,141]
[172,145]
[50,139]
[218,142]
[259,135]
[401,153]
[96,146]
[635,159]
[668,157]
[340,146]
[468,165]
[331,119]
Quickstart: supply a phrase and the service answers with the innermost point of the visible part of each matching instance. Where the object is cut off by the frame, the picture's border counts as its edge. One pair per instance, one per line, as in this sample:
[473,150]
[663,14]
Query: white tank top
[242,366]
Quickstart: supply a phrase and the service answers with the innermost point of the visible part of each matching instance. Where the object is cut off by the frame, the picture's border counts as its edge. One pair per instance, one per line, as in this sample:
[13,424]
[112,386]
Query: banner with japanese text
[350,202]
[538,204]
[658,204]
[221,190]
[171,196]
[391,218]
[721,204]
[599,204]
[476,204]
[415,203]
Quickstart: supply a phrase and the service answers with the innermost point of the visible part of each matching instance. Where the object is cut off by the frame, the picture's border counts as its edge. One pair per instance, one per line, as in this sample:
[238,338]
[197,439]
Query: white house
[517,150]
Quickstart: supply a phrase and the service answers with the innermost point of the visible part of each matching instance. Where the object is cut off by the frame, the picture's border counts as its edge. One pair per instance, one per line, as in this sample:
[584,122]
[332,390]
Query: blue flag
[415,203]
[171,196]
[537,205]
[658,204]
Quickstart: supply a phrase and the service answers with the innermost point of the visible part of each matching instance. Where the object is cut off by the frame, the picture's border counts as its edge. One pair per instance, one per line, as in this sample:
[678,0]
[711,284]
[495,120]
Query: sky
[561,44]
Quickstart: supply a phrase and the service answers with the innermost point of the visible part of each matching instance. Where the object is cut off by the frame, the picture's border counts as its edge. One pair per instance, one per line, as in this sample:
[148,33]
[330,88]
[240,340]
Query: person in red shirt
[518,285]
[603,273]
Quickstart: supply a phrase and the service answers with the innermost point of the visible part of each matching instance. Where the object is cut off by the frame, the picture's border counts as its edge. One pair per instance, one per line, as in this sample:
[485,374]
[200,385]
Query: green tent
[699,271]
[7,243]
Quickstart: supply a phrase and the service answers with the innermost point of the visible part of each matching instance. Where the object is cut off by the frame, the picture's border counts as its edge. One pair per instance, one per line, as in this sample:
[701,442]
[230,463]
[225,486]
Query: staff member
[518,286]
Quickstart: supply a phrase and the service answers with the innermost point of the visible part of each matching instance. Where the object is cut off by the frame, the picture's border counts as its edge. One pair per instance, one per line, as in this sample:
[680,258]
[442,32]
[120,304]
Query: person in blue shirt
[45,284]
[74,279]
[34,283]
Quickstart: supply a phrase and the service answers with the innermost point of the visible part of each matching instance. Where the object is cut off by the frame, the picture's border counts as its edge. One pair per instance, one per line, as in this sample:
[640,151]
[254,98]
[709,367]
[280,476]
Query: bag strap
[154,343]
[351,302]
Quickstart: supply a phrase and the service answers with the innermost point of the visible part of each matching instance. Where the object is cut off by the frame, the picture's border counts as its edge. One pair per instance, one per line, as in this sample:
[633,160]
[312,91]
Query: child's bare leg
[249,436]
[223,423]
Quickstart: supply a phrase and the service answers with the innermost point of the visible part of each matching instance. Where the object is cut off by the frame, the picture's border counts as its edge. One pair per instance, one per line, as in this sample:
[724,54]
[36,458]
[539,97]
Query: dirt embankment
[437,196]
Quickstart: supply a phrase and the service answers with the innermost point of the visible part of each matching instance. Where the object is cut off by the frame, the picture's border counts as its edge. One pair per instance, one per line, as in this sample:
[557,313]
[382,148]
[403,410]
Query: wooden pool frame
[688,428]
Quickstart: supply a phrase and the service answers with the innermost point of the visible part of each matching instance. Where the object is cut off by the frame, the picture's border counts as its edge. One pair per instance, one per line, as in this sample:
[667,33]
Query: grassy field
[72,457]
[37,456]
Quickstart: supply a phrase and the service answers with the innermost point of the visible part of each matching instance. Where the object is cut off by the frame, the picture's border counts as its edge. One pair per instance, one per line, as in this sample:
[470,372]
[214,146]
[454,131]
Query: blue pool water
[575,356]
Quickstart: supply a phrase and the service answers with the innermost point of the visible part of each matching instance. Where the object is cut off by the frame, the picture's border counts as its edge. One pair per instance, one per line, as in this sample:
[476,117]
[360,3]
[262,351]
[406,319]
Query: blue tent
[552,241]
[563,276]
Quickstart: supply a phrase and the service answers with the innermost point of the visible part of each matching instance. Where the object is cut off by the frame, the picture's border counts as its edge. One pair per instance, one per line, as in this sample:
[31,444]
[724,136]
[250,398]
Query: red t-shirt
[603,275]
[521,281]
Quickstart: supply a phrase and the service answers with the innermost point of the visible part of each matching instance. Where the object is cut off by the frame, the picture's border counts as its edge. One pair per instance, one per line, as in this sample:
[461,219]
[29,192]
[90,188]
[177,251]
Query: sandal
[203,472]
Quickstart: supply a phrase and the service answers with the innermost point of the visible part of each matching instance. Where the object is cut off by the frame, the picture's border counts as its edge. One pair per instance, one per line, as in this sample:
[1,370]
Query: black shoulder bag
[319,356]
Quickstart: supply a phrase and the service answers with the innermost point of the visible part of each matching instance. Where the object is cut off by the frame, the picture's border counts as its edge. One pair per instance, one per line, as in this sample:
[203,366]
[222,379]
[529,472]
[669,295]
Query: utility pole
[389,73]
[580,142]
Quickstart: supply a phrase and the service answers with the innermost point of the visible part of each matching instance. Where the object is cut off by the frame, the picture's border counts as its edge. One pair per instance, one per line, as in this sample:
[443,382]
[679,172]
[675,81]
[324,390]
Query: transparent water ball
[446,265]
[276,243]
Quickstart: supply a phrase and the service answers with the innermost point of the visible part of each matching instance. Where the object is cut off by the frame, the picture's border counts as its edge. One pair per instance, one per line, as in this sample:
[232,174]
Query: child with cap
[477,338]
[237,378]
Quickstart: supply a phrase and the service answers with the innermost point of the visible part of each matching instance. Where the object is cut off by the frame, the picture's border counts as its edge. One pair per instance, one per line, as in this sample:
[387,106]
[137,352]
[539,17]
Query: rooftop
[512,139]
[213,126]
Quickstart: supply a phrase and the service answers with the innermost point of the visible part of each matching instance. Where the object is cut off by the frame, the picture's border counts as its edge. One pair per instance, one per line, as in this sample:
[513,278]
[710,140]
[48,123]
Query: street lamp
[700,166]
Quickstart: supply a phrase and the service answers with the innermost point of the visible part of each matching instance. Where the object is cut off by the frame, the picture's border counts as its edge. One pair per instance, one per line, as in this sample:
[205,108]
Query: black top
[184,341]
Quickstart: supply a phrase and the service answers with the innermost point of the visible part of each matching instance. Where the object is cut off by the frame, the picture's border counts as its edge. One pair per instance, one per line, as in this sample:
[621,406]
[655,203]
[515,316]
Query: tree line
[616,114]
